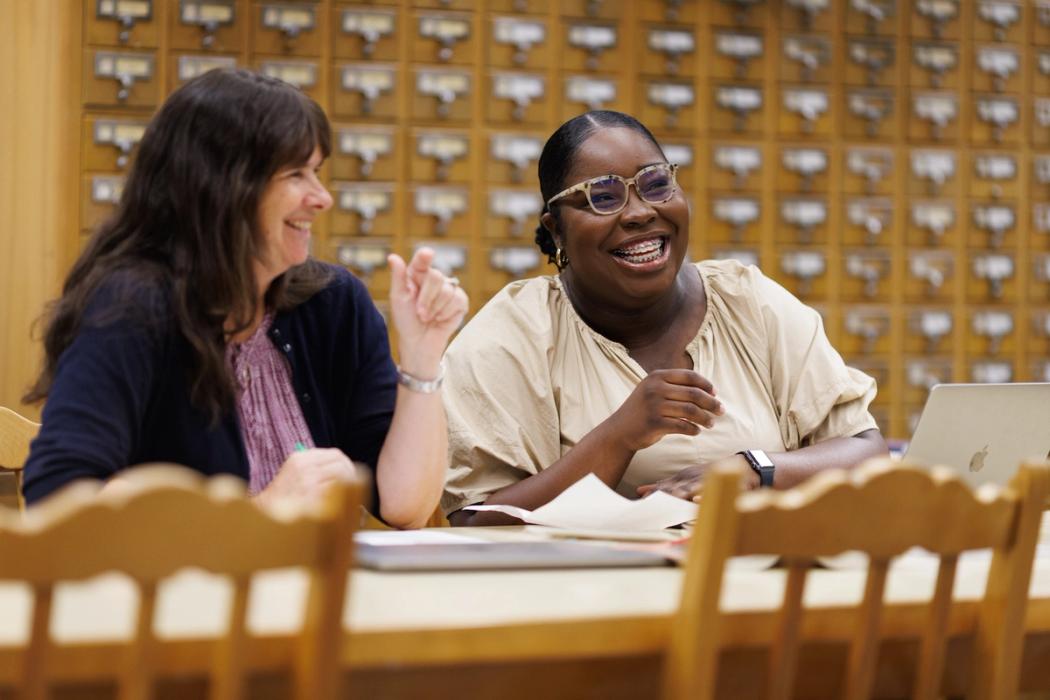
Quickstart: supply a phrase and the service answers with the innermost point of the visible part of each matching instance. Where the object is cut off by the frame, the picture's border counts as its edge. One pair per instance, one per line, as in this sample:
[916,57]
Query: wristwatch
[762,464]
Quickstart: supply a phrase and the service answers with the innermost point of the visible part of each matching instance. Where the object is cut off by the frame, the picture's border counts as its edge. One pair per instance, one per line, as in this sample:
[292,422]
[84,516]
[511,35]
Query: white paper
[591,505]
[397,537]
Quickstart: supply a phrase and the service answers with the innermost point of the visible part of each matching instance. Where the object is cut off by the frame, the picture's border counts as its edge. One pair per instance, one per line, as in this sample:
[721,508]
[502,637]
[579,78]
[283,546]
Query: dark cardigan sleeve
[345,358]
[103,383]
[369,407]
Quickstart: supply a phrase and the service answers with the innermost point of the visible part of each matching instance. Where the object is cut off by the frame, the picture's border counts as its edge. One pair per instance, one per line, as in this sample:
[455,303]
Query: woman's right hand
[306,474]
[667,401]
[426,308]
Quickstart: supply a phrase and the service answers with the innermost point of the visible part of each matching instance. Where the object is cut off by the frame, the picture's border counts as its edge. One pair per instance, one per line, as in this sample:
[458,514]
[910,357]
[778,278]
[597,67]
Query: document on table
[591,505]
[383,538]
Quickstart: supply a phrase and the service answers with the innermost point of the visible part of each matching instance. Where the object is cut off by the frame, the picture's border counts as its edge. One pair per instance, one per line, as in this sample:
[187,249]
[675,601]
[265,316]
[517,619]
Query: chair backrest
[171,518]
[882,509]
[16,432]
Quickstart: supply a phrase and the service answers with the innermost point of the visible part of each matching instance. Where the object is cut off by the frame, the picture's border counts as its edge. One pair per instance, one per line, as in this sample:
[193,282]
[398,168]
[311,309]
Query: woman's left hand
[426,308]
[689,483]
[686,484]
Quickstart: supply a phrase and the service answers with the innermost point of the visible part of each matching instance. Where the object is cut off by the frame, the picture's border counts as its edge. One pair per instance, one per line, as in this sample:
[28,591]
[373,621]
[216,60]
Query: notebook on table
[502,555]
[984,431]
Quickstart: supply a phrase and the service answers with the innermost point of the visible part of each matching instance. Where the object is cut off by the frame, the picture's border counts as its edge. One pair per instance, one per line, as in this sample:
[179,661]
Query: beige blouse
[526,379]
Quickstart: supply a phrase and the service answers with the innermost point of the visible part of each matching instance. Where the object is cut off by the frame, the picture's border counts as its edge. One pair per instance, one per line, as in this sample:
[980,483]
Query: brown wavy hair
[185,223]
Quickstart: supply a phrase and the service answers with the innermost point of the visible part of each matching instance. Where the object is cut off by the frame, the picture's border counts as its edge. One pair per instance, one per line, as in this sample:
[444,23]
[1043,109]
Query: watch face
[761,458]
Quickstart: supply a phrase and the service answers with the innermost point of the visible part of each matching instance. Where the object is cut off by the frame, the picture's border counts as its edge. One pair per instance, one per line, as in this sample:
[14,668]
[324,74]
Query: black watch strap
[762,464]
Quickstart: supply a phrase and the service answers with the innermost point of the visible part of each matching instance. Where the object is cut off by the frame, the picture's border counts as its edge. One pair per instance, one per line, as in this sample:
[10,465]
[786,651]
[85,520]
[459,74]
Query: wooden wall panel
[39,111]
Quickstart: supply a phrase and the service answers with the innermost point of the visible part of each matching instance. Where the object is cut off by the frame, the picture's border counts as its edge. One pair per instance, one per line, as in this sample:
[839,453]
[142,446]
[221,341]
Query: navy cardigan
[120,395]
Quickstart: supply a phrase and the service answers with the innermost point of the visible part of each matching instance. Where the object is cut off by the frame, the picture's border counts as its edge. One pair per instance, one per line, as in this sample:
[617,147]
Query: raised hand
[426,308]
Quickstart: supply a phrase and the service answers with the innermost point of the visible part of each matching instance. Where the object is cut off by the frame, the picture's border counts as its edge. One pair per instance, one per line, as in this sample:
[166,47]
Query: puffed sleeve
[817,395]
[502,415]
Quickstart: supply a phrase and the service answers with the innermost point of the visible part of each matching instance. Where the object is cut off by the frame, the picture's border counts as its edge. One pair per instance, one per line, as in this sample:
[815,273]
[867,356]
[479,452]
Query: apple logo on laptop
[977,461]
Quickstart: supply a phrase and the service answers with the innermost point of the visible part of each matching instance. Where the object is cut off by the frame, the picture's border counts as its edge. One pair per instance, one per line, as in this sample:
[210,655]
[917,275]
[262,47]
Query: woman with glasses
[632,364]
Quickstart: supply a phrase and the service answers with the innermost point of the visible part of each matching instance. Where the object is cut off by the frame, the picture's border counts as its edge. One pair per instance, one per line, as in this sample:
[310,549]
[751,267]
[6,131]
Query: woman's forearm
[426,307]
[414,459]
[598,452]
[792,468]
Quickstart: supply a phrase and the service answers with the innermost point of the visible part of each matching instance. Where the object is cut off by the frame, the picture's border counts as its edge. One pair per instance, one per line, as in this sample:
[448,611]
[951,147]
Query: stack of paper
[591,505]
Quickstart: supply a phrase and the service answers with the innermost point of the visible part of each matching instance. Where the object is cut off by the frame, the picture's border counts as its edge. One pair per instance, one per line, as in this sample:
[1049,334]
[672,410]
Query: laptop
[983,430]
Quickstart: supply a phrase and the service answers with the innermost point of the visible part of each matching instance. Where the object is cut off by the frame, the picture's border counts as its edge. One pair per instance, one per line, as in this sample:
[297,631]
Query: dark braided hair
[559,151]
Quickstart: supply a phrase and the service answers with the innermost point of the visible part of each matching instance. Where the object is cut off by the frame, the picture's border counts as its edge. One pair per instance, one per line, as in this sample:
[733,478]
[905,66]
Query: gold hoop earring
[561,260]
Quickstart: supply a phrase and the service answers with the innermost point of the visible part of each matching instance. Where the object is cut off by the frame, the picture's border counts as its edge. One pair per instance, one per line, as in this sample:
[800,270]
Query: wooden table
[560,633]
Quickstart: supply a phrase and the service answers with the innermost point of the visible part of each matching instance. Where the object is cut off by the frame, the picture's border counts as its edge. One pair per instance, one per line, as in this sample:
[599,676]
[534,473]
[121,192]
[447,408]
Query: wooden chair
[16,432]
[882,509]
[168,519]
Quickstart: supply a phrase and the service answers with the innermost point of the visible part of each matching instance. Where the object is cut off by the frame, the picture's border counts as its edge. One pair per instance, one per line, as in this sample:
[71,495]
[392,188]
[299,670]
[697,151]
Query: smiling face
[632,256]
[292,199]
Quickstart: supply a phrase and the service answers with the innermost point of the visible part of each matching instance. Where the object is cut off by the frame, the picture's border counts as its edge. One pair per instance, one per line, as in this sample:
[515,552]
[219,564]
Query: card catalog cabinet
[886,160]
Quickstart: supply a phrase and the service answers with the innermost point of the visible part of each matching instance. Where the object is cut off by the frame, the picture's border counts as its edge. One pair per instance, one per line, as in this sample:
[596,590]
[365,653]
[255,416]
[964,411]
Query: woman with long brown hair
[195,328]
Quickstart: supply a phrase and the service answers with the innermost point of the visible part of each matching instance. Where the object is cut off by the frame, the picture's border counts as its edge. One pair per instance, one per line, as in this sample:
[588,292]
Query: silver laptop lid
[983,430]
